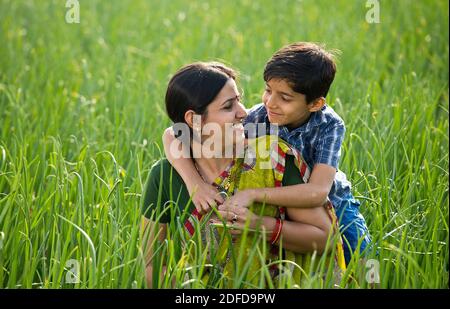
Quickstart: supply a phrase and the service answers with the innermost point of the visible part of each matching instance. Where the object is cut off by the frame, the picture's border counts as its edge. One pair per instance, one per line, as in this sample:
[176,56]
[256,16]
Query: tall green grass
[82,112]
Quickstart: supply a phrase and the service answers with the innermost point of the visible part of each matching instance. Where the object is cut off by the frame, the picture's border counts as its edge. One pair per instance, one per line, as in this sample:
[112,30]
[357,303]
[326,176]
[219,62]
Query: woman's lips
[238,126]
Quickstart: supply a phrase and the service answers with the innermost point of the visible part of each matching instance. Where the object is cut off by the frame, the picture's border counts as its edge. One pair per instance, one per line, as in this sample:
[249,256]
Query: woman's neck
[210,168]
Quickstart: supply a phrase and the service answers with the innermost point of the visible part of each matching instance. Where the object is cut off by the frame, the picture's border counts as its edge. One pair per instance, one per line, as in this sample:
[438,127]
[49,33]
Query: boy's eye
[286,99]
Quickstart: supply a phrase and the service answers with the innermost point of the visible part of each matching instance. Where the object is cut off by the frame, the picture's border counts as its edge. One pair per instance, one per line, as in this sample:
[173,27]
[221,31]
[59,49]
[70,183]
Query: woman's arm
[150,232]
[306,230]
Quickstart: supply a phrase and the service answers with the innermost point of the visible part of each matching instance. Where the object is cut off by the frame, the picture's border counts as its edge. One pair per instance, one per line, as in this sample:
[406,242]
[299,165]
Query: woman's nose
[241,112]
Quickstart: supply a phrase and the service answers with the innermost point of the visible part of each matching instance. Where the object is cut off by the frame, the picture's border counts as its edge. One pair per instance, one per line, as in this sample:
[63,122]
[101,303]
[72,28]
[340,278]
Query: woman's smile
[238,127]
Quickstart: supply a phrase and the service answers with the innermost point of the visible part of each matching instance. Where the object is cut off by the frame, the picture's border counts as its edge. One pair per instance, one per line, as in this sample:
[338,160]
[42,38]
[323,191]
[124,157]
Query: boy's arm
[204,195]
[315,192]
[311,194]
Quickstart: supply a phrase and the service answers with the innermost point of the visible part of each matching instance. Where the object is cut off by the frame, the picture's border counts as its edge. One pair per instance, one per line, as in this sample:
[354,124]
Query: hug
[270,210]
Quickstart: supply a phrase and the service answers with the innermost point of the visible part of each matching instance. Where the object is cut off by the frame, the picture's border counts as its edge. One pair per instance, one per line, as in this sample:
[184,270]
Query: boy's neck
[299,123]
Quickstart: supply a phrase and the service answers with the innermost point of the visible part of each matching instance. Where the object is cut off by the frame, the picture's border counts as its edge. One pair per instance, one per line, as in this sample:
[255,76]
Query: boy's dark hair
[194,87]
[307,67]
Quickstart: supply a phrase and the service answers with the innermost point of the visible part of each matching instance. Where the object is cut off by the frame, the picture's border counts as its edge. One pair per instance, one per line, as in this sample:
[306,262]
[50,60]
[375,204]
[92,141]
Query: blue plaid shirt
[319,140]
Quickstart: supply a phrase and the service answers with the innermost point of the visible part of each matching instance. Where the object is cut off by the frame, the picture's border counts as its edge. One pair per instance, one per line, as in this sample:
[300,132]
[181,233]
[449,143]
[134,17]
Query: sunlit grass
[82,112]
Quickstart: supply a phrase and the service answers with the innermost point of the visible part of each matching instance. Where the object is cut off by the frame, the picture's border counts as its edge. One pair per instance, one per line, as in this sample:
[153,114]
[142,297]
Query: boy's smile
[286,107]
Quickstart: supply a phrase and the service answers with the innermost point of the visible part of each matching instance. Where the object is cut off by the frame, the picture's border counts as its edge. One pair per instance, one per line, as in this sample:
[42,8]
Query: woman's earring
[197,135]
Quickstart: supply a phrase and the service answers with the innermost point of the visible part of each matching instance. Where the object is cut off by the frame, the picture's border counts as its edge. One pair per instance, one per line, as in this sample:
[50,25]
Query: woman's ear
[316,105]
[194,121]
[189,118]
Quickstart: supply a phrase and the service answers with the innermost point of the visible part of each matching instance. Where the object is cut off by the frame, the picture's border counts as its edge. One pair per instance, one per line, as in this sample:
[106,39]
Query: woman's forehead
[229,91]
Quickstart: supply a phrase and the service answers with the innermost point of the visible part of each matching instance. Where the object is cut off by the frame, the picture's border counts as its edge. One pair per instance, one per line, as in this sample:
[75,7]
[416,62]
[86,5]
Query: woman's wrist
[268,224]
[276,234]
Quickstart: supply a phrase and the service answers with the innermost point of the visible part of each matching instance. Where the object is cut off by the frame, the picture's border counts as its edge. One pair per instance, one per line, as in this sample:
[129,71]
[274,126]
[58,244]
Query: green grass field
[82,113]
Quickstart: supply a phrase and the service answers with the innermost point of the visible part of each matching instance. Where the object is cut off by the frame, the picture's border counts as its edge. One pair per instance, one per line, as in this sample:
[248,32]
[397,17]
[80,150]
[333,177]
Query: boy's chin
[276,122]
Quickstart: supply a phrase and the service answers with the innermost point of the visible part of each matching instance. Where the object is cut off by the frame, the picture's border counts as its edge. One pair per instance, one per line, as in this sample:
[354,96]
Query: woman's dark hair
[194,87]
[307,67]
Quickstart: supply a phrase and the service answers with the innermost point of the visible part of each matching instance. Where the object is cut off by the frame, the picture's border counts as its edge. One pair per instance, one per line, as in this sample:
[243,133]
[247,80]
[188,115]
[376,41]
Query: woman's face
[222,123]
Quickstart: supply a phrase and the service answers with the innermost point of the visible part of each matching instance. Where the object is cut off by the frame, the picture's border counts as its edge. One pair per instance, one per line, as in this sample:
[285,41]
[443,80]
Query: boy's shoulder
[256,113]
[326,117]
[257,108]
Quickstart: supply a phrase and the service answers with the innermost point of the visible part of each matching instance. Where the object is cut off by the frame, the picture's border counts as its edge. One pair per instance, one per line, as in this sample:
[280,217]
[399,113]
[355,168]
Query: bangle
[276,231]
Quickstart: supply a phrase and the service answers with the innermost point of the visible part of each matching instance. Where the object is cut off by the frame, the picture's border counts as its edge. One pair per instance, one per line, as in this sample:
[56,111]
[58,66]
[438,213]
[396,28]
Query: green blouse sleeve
[154,196]
[291,174]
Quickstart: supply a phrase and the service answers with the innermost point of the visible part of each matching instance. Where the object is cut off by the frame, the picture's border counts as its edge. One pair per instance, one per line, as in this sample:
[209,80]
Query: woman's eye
[268,91]
[228,106]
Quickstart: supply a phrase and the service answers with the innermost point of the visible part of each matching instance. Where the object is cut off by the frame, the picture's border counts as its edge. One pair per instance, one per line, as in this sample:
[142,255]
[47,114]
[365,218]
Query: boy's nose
[270,103]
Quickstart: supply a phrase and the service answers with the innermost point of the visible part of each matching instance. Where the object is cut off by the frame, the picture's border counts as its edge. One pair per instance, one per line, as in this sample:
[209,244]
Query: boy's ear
[317,104]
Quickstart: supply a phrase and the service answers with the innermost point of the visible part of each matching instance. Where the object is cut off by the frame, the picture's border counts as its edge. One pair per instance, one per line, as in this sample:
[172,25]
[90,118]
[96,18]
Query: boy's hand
[244,198]
[204,197]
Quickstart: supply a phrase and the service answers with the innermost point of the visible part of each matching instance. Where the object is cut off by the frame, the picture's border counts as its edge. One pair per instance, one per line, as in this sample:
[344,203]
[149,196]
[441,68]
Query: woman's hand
[244,198]
[238,217]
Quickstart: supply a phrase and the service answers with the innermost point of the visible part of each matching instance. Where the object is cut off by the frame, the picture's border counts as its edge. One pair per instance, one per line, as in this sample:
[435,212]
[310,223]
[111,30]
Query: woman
[238,254]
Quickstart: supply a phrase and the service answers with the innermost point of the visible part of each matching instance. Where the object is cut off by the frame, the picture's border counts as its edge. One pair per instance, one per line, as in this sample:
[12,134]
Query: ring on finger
[235,217]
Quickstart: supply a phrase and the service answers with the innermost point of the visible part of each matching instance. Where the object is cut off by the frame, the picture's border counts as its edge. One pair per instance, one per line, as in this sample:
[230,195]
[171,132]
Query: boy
[297,78]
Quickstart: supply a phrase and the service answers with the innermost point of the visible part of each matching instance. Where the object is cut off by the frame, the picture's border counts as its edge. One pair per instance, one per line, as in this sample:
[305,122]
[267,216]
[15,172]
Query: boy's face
[284,106]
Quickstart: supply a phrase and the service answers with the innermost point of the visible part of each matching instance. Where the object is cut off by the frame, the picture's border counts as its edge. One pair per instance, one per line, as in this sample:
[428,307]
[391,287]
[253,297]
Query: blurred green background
[82,113]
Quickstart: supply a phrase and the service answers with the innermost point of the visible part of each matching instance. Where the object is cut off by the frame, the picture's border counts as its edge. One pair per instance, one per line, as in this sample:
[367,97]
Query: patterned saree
[249,260]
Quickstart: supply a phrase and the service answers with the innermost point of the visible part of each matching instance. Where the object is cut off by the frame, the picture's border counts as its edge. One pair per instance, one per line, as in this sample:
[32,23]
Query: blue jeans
[352,227]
